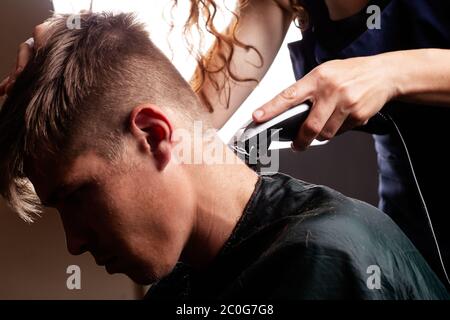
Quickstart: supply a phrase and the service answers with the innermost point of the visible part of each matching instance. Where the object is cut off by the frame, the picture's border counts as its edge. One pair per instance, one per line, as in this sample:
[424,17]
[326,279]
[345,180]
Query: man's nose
[76,236]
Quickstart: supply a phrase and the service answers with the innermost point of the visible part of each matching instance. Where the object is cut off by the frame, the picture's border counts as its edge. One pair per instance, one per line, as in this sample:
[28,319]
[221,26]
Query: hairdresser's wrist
[392,74]
[413,73]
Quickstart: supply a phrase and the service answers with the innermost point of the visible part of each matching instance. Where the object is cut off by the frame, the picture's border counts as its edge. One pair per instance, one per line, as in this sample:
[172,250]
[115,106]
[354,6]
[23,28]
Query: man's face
[133,218]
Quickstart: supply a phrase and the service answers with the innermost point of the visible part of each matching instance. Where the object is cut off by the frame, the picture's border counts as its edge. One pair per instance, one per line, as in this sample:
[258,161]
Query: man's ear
[153,130]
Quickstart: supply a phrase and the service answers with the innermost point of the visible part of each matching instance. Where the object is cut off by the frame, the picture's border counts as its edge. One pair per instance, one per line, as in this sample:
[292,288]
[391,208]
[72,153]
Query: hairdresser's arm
[263,24]
[423,76]
[347,93]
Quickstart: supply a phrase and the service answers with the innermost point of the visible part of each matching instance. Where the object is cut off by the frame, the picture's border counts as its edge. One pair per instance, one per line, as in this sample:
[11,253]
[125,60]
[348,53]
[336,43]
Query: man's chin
[141,278]
[145,275]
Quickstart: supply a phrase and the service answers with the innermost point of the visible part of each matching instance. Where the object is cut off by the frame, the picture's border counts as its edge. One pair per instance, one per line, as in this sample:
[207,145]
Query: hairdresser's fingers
[9,86]
[351,123]
[3,86]
[39,34]
[11,80]
[288,98]
[320,112]
[24,54]
[23,57]
[333,124]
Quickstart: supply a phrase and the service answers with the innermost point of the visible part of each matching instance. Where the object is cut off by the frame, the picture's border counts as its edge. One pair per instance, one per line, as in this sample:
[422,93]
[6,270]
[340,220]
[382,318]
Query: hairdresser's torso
[336,33]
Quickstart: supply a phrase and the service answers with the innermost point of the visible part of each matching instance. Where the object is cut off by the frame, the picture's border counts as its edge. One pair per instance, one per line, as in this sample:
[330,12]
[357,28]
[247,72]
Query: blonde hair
[79,82]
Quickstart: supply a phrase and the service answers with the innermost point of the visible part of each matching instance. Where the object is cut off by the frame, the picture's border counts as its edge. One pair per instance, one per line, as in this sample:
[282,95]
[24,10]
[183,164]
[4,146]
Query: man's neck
[222,193]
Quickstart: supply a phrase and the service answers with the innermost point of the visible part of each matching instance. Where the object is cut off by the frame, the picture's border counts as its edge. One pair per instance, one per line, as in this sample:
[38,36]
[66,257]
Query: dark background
[347,163]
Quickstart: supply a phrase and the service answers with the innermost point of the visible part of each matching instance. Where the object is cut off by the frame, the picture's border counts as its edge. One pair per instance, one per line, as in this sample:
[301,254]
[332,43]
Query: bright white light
[156,16]
[70,6]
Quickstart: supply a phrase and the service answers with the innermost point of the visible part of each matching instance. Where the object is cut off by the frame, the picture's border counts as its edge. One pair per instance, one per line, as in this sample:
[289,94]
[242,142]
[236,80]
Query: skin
[347,93]
[130,215]
[344,93]
[142,213]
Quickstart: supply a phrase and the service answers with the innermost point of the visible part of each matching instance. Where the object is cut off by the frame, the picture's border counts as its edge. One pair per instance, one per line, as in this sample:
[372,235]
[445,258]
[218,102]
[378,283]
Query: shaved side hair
[77,93]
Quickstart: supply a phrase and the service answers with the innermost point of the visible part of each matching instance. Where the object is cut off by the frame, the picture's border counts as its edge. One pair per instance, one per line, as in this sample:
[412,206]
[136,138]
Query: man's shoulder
[327,231]
[318,216]
[321,208]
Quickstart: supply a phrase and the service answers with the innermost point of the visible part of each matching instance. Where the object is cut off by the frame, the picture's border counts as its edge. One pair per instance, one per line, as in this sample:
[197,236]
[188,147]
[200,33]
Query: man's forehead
[48,172]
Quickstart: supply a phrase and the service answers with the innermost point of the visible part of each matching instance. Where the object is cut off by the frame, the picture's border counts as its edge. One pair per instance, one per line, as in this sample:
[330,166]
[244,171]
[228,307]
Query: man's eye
[75,196]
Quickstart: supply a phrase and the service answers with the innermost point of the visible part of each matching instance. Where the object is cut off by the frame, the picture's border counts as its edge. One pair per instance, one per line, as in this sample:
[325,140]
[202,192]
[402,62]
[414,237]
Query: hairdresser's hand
[24,55]
[344,94]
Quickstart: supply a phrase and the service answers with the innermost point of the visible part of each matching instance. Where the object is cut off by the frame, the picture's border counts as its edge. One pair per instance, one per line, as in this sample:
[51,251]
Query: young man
[90,129]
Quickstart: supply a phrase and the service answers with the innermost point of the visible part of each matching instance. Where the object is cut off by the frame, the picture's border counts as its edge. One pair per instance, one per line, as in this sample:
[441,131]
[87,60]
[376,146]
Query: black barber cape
[297,240]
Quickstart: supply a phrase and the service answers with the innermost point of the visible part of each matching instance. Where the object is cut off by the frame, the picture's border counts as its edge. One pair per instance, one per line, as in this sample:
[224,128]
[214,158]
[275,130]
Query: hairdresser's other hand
[24,55]
[344,94]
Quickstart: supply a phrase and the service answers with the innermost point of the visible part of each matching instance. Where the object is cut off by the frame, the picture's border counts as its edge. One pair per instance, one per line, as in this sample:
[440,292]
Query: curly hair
[205,11]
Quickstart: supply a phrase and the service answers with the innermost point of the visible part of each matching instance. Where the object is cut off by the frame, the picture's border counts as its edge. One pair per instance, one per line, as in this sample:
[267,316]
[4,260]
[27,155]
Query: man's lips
[109,262]
[112,266]
[104,261]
